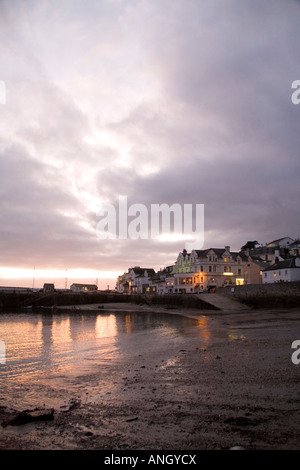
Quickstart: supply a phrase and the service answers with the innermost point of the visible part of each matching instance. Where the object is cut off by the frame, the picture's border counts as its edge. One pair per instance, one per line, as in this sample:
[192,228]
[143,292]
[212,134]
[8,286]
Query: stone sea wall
[281,294]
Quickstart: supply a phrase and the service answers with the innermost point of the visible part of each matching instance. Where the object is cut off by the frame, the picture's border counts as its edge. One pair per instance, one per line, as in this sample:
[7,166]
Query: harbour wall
[277,295]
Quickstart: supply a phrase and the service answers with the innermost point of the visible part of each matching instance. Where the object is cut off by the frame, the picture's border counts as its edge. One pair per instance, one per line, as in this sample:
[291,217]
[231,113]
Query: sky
[160,101]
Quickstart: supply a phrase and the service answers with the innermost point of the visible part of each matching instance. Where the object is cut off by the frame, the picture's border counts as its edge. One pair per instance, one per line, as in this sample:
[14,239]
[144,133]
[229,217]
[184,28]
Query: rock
[240,421]
[26,416]
[132,419]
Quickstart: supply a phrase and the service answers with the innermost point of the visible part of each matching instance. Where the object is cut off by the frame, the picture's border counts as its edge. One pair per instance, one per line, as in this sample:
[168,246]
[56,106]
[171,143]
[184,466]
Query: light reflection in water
[234,336]
[45,352]
[106,326]
[204,330]
[128,328]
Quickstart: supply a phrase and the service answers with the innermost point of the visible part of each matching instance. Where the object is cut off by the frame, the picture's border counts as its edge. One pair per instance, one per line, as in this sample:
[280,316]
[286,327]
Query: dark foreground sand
[242,390]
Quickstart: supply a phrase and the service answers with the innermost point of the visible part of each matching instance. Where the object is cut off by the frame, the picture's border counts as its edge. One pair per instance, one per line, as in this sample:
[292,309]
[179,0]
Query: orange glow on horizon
[19,277]
[16,273]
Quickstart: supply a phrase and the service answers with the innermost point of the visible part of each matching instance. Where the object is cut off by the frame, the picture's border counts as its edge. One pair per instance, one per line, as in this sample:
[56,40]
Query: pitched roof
[285,264]
[218,251]
[83,285]
[141,271]
[279,240]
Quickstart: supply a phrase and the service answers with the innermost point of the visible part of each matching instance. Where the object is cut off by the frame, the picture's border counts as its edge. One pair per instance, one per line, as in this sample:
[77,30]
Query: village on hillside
[205,270]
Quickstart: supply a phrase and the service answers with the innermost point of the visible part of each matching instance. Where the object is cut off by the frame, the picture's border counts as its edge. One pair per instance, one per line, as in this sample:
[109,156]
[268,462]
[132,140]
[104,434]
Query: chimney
[227,248]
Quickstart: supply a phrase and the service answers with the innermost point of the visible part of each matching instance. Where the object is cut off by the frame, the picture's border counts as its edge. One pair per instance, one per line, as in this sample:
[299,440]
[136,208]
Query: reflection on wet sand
[204,330]
[46,352]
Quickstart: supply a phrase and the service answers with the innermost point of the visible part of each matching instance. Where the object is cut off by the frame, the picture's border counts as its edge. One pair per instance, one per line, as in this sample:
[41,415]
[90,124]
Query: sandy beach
[241,390]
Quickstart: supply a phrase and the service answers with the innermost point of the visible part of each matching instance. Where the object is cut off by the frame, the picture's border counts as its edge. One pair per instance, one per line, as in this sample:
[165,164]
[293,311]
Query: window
[225,269]
[265,274]
[215,269]
[201,279]
[239,272]
[209,269]
[202,269]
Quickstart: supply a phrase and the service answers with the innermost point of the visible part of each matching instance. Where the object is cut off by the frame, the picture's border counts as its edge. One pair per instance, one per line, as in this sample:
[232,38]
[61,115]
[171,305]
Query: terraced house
[203,270]
[136,281]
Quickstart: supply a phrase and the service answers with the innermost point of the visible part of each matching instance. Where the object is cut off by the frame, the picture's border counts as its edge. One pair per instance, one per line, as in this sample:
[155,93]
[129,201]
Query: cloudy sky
[162,101]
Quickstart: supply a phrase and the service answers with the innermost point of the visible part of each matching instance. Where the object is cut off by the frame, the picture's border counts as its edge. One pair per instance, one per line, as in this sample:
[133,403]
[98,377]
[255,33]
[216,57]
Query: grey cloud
[190,102]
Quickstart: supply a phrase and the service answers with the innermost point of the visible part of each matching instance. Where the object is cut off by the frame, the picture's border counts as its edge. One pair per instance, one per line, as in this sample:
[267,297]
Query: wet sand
[240,390]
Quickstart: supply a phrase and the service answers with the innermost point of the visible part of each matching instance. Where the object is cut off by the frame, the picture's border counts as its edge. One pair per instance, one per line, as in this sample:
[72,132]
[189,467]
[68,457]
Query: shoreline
[241,389]
[194,313]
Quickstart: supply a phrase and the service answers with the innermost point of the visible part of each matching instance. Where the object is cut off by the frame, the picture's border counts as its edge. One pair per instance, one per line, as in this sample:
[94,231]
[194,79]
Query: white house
[284,242]
[136,281]
[163,281]
[76,287]
[284,271]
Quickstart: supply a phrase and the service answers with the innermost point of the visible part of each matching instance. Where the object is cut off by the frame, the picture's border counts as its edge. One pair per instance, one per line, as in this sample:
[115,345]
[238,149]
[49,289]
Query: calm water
[50,358]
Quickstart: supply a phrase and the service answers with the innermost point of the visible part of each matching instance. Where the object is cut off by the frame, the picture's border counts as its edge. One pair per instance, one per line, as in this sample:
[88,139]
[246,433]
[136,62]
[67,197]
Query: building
[284,242]
[163,281]
[287,270]
[83,287]
[136,281]
[253,270]
[204,270]
[295,248]
[268,252]
[48,288]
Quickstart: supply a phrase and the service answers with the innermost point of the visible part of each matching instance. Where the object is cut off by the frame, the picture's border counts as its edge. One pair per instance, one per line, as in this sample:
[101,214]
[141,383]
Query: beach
[242,389]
